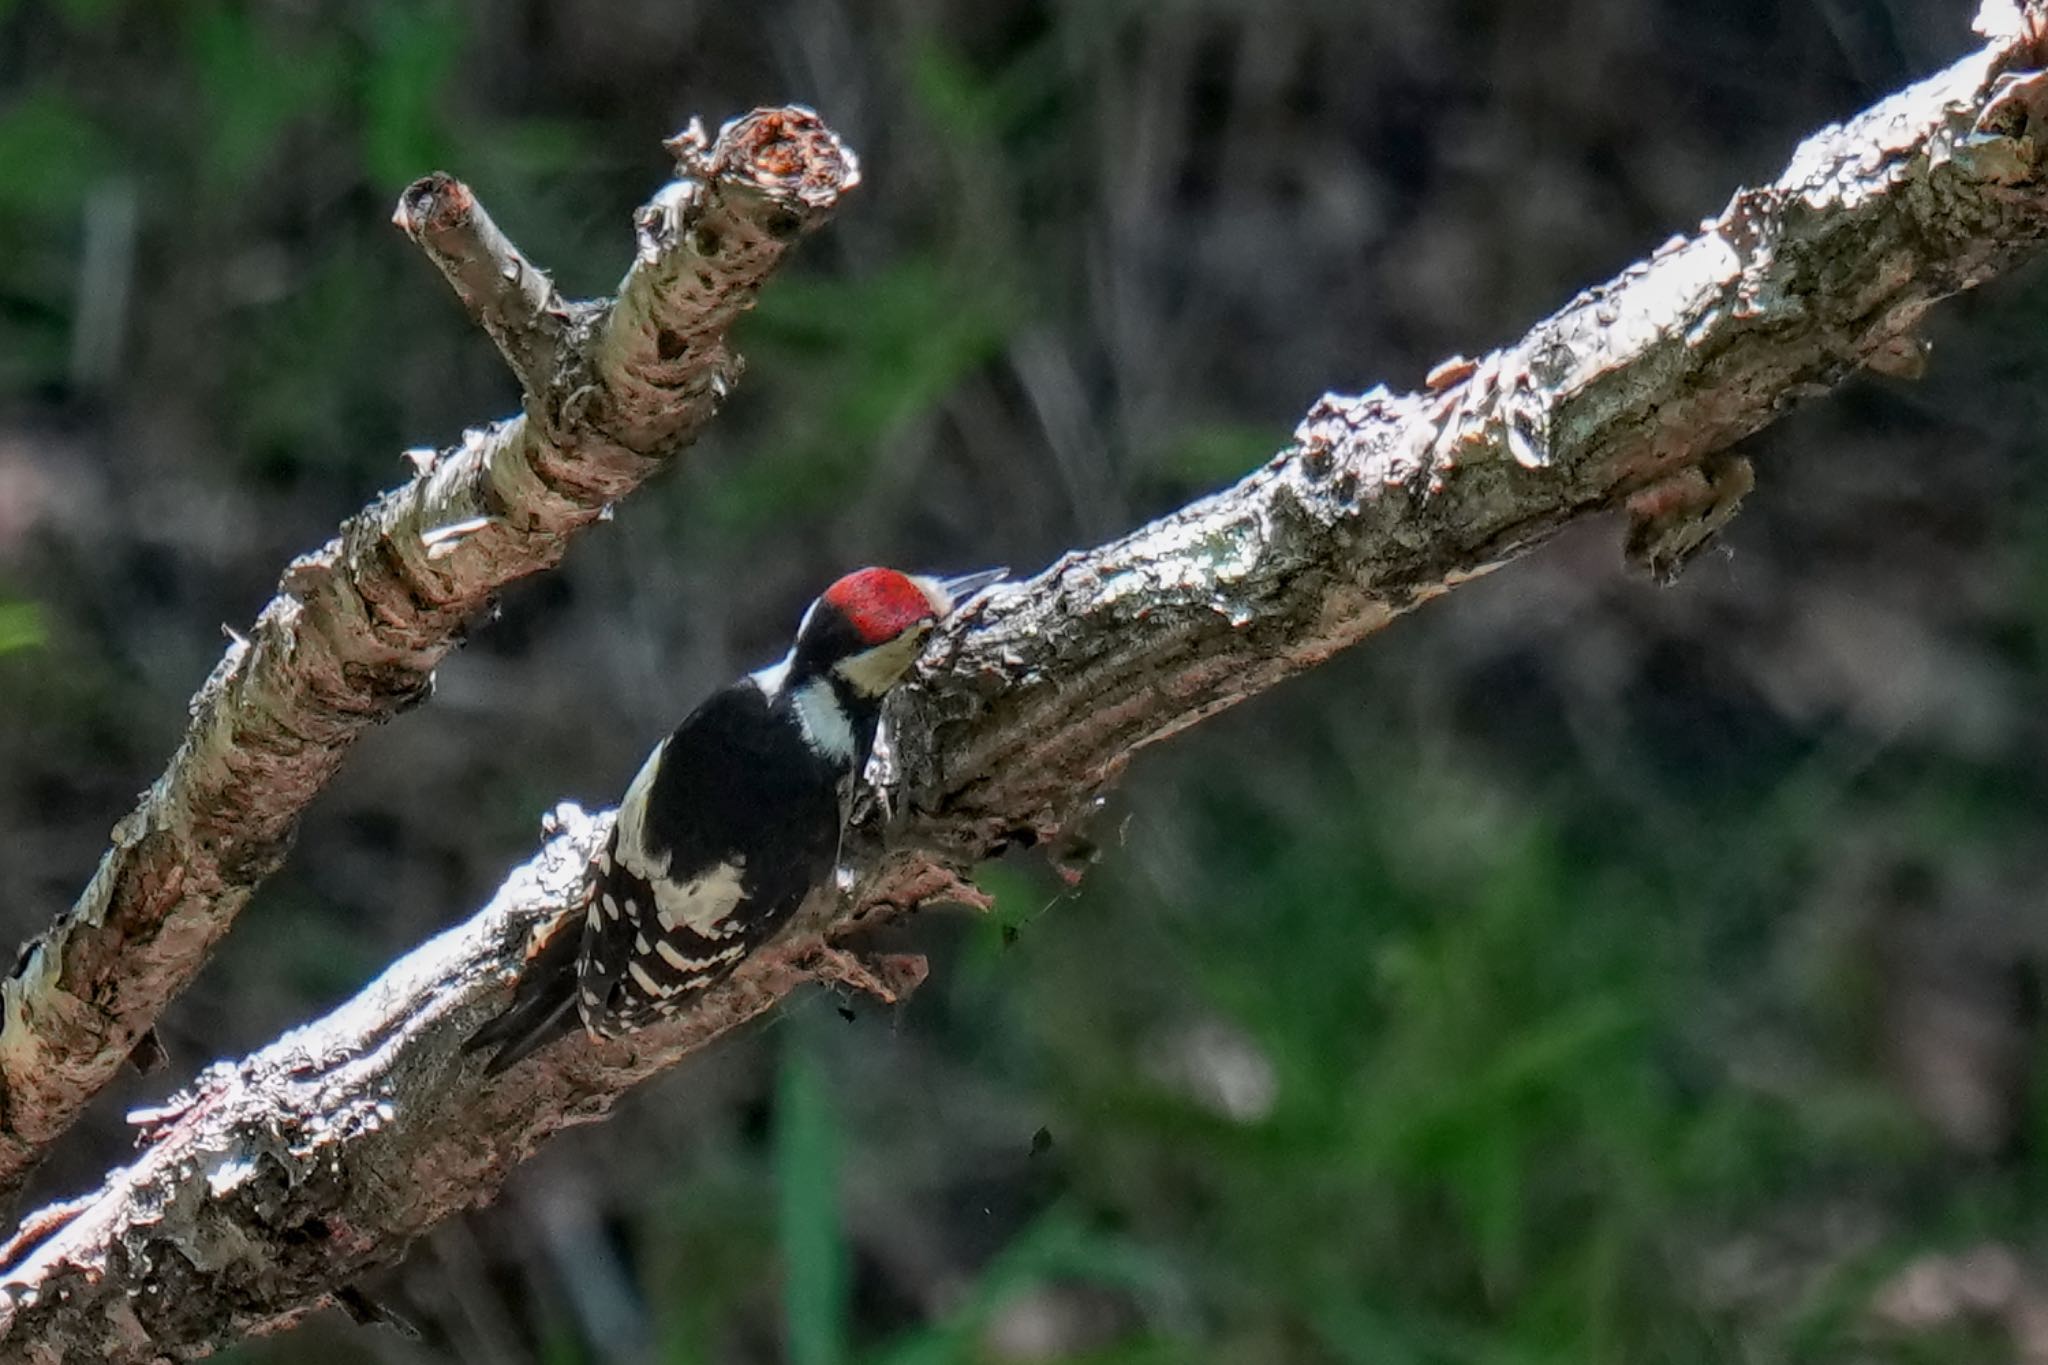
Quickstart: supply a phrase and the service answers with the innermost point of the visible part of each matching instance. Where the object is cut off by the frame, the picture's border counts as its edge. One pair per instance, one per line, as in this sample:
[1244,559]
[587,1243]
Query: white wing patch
[631,835]
[702,901]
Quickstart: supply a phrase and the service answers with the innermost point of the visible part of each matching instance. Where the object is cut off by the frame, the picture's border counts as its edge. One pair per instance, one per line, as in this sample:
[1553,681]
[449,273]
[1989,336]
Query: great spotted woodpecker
[734,819]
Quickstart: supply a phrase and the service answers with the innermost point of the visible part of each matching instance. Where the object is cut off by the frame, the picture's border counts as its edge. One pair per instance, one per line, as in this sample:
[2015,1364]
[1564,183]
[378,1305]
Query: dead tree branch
[276,1180]
[613,390]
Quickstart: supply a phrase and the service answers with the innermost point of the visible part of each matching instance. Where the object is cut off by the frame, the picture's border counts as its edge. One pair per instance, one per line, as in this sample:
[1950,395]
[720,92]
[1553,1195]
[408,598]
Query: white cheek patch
[824,720]
[873,672]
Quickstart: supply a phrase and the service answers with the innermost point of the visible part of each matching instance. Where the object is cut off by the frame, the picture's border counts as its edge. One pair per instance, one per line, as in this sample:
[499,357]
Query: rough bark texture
[357,627]
[278,1179]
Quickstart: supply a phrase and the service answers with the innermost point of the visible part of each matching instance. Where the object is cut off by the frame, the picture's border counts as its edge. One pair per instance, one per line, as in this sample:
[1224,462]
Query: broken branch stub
[512,299]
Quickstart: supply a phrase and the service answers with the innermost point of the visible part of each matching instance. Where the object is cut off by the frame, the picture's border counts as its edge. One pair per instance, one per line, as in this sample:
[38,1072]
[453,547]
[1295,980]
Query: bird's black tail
[543,1005]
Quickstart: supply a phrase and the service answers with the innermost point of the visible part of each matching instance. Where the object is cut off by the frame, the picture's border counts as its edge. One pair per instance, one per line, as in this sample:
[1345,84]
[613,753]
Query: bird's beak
[958,590]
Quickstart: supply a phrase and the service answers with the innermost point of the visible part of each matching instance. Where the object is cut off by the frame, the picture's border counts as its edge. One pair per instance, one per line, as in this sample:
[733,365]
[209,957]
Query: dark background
[1577,972]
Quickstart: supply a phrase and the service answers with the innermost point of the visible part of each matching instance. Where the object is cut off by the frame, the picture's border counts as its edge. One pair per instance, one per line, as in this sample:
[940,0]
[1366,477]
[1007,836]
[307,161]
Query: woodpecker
[733,821]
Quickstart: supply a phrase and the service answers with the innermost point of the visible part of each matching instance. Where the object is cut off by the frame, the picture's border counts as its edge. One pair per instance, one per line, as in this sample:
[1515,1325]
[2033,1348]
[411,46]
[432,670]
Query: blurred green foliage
[814,1253]
[253,87]
[53,150]
[21,626]
[881,352]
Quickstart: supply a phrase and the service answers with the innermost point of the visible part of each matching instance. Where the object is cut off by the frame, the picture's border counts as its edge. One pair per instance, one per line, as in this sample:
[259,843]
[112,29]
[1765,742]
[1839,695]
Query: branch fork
[614,389]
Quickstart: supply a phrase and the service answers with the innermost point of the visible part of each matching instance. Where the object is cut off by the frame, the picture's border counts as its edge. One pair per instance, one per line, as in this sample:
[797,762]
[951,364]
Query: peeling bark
[352,638]
[278,1179]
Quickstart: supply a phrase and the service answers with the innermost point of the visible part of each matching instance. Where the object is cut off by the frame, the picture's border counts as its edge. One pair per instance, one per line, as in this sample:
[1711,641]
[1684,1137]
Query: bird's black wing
[729,825]
[726,830]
